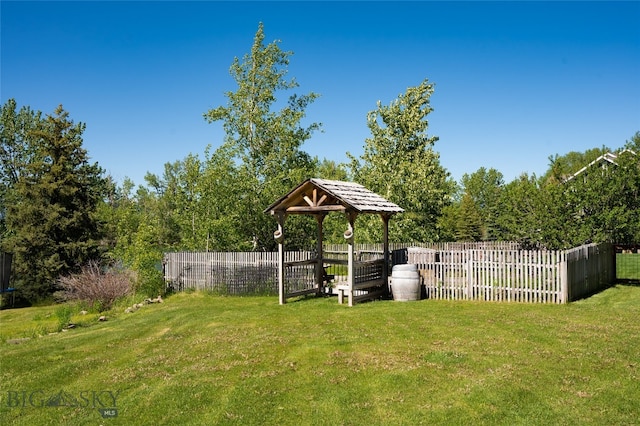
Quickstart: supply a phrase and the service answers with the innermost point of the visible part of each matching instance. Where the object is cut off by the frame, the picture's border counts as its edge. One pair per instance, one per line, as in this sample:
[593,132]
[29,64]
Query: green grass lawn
[628,266]
[200,359]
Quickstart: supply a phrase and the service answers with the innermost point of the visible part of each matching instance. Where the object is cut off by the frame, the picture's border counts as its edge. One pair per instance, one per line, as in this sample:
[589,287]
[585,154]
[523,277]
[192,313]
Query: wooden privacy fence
[252,272]
[454,271]
[589,269]
[230,272]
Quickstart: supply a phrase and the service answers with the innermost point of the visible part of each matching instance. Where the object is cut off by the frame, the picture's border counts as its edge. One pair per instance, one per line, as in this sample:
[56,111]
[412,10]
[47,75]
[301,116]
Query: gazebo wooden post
[385,250]
[320,260]
[279,237]
[349,236]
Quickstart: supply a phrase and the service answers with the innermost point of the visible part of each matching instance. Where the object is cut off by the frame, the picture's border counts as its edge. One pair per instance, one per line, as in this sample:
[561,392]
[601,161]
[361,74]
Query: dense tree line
[58,211]
[577,201]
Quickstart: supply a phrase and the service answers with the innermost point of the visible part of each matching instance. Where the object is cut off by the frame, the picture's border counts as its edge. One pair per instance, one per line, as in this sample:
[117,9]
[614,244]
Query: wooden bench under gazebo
[319,197]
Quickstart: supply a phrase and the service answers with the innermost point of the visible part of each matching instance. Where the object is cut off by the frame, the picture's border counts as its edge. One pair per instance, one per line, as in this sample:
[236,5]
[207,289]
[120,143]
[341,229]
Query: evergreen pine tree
[51,210]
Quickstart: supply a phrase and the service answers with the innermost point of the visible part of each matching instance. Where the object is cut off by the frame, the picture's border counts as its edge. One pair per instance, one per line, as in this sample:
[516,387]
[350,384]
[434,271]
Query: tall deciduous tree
[634,143]
[140,227]
[400,164]
[484,187]
[265,141]
[51,220]
[219,199]
[198,199]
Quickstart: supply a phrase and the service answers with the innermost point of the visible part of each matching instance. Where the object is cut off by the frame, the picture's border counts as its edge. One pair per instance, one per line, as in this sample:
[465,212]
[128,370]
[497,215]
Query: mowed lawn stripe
[205,359]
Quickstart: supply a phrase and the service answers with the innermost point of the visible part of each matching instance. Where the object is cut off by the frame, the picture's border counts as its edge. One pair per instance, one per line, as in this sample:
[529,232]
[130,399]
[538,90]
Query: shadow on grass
[628,281]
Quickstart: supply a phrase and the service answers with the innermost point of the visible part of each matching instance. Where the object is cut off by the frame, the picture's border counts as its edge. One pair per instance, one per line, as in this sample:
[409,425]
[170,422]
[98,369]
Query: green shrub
[150,282]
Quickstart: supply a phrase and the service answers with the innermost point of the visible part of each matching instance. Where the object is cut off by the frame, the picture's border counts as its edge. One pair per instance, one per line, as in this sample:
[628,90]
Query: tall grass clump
[63,314]
[97,286]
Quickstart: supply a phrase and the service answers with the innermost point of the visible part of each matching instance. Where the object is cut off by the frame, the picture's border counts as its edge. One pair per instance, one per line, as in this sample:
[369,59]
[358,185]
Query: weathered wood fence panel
[228,272]
[534,276]
[451,271]
[300,273]
[590,268]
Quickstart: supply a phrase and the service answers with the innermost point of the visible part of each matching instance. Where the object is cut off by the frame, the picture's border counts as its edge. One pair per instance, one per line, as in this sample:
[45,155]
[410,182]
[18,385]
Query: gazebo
[319,197]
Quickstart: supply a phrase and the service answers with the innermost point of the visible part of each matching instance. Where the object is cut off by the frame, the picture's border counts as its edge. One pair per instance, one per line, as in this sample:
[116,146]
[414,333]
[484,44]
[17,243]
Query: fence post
[469,258]
[279,237]
[564,277]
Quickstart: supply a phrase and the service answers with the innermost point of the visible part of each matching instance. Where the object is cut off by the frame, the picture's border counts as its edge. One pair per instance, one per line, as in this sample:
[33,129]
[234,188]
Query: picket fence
[452,271]
[538,276]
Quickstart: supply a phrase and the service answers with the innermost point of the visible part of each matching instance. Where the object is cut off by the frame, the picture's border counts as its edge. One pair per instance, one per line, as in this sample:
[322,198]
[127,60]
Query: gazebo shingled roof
[333,195]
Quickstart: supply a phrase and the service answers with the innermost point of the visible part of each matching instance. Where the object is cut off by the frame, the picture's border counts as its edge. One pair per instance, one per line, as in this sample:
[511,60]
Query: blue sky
[515,82]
